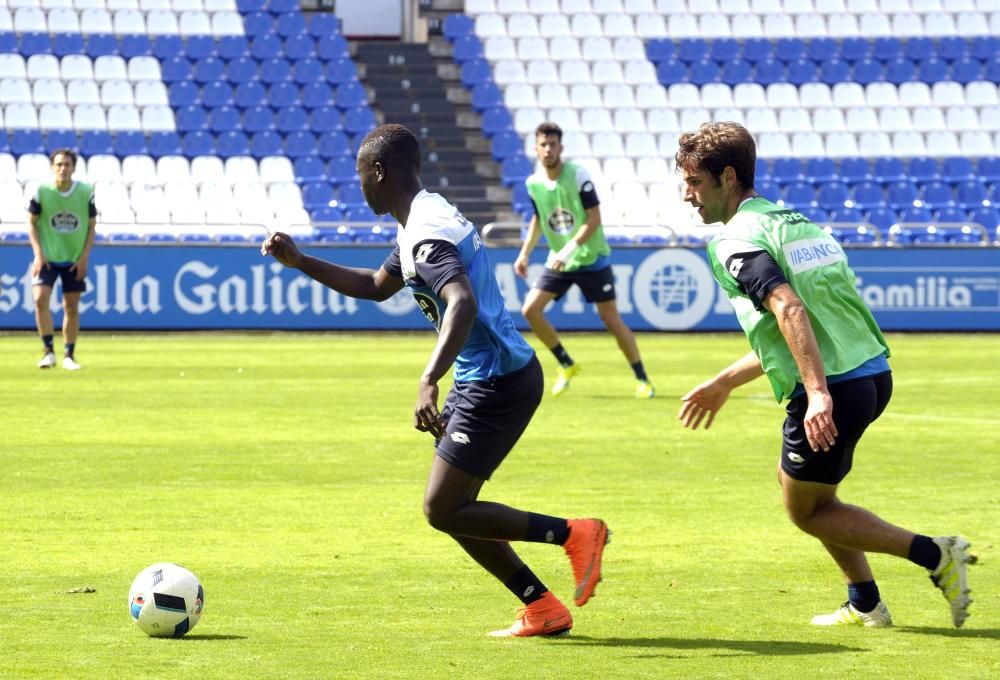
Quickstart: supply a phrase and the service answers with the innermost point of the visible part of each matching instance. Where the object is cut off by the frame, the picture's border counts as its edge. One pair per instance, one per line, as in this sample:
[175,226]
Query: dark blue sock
[47,341]
[526,586]
[925,552]
[545,529]
[640,372]
[70,346]
[561,355]
[864,596]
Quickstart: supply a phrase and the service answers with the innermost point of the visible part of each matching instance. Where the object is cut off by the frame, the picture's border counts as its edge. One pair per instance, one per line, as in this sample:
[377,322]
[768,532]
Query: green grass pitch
[283,469]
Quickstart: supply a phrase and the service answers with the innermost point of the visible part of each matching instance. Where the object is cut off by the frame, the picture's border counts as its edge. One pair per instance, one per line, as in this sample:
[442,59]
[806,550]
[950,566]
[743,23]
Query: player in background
[568,212]
[820,347]
[62,216]
[498,381]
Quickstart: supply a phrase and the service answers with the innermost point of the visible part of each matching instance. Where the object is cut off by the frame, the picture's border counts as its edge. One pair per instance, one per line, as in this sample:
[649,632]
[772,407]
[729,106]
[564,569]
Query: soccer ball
[166,600]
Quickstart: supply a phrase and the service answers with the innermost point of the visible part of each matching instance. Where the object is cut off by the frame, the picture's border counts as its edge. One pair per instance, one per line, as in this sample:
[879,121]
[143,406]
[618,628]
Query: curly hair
[393,146]
[716,146]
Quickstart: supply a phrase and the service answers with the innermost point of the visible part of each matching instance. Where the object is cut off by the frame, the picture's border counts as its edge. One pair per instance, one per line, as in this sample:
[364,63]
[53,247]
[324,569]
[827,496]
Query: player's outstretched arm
[367,284]
[705,400]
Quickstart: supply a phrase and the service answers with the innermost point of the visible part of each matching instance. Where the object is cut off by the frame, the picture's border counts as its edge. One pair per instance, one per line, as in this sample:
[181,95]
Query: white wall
[382,18]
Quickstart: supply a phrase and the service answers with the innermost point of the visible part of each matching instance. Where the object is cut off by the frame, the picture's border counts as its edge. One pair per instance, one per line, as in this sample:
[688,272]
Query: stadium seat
[867,195]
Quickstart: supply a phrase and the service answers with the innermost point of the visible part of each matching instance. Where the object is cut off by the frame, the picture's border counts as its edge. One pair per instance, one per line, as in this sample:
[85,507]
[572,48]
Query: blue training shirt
[436,245]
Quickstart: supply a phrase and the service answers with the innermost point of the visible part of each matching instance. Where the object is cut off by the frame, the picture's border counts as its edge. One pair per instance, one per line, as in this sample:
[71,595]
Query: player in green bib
[568,212]
[62,216]
[819,346]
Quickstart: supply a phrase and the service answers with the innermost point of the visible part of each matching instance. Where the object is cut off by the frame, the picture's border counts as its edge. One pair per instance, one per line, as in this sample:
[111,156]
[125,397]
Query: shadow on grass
[747,647]
[207,638]
[985,633]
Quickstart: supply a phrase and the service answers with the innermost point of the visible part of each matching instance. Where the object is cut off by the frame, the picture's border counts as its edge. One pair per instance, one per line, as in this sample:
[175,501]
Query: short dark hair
[63,152]
[548,128]
[716,146]
[393,146]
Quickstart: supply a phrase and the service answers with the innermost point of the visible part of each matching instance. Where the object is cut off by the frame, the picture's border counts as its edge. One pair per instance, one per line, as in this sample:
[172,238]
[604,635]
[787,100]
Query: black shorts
[485,419]
[856,405]
[49,274]
[597,285]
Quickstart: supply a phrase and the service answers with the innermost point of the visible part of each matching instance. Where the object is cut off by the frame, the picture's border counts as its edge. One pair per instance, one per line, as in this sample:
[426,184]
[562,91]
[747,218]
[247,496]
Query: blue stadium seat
[965,234]
[167,46]
[326,119]
[190,118]
[266,46]
[474,72]
[521,200]
[266,143]
[768,189]
[932,70]
[988,216]
[323,23]
[343,70]
[789,49]
[505,144]
[832,195]
[972,193]
[334,144]
[456,26]
[950,214]
[307,71]
[258,23]
[486,95]
[232,143]
[309,169]
[467,47]
[258,118]
[843,214]
[100,44]
[515,169]
[275,70]
[670,71]
[198,143]
[786,170]
[920,48]
[96,141]
[232,46]
[250,93]
[985,47]
[199,46]
[316,95]
[241,70]
[218,93]
[724,49]
[915,214]
[757,49]
[349,195]
[340,234]
[928,236]
[224,119]
[835,71]
[762,170]
[859,236]
[61,139]
[882,218]
[660,49]
[300,46]
[799,195]
[769,71]
[135,45]
[342,170]
[957,169]
[988,168]
[163,143]
[991,72]
[24,141]
[497,119]
[349,95]
[855,49]
[887,49]
[868,195]
[316,194]
[922,169]
[814,213]
[867,71]
[62,44]
[174,69]
[901,194]
[705,71]
[693,50]
[130,143]
[823,49]
[300,143]
[359,120]
[290,23]
[251,5]
[292,119]
[889,169]
[820,170]
[900,70]
[35,43]
[937,194]
[209,69]
[332,46]
[855,169]
[952,48]
[966,70]
[736,71]
[803,71]
[283,7]
[284,94]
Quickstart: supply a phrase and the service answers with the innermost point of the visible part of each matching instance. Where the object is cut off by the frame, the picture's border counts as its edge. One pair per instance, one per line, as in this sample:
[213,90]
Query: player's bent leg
[533,310]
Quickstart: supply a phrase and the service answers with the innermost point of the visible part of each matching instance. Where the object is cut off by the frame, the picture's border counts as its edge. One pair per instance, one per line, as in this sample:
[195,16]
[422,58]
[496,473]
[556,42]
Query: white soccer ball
[166,600]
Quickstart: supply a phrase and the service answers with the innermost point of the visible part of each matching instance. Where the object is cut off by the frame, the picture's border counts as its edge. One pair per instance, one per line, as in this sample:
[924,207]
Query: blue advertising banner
[206,287]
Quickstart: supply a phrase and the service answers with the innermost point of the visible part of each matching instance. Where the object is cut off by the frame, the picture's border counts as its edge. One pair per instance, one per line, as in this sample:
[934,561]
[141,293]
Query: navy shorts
[485,419]
[48,276]
[856,405]
[597,285]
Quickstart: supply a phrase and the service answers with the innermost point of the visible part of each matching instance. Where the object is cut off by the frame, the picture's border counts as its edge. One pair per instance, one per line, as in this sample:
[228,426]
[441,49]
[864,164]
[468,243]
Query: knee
[530,311]
[438,515]
[803,516]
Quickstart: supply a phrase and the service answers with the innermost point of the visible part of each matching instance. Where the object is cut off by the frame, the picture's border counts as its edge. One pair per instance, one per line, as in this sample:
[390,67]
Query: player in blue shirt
[497,379]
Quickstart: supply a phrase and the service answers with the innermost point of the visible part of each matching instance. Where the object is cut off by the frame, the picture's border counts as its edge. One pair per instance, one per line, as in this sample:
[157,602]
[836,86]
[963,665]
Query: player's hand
[818,423]
[426,416]
[79,269]
[557,265]
[282,248]
[38,264]
[704,401]
[521,266]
